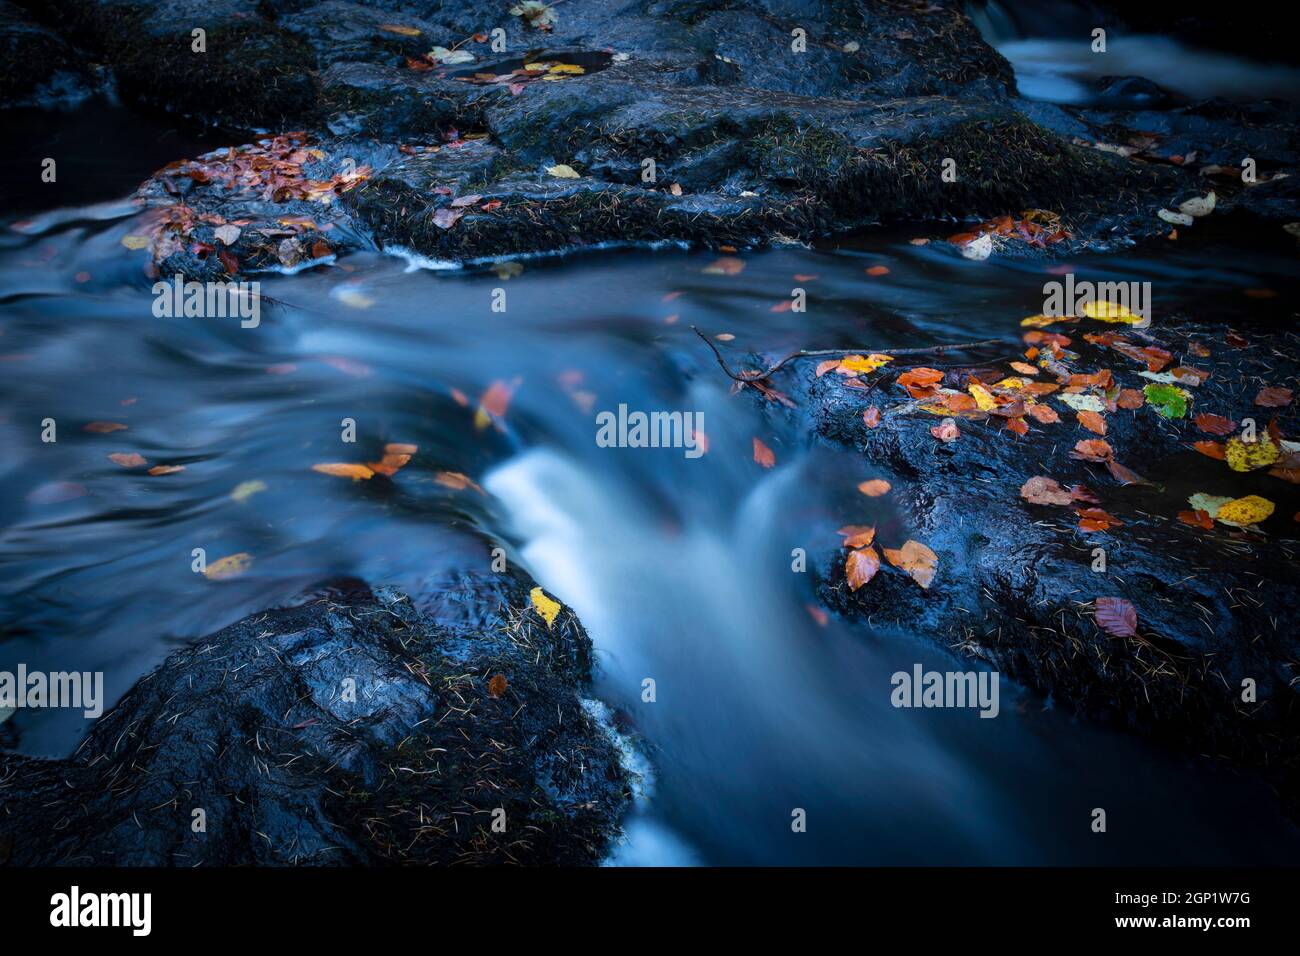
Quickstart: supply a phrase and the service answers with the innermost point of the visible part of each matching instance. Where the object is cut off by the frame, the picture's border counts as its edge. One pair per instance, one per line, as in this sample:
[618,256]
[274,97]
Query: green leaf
[1169,400]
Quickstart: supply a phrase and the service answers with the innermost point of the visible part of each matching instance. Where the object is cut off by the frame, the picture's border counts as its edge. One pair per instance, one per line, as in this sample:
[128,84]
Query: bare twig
[752,375]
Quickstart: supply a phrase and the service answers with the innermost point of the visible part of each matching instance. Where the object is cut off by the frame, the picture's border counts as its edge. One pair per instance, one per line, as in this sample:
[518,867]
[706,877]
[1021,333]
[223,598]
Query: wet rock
[1016,581]
[37,68]
[463,709]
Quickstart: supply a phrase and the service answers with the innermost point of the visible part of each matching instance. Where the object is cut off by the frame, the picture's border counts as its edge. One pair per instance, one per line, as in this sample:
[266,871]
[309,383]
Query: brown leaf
[1212,449]
[1273,396]
[1124,475]
[1044,414]
[1215,424]
[1130,398]
[874,488]
[1092,421]
[1041,490]
[165,469]
[763,455]
[498,685]
[916,559]
[1095,519]
[103,428]
[858,535]
[127,459]
[861,566]
[1092,449]
[1116,616]
[1197,519]
[871,417]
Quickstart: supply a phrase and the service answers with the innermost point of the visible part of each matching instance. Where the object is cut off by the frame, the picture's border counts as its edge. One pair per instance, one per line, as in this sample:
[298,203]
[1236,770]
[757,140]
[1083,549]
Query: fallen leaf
[1093,422]
[157,470]
[1017,425]
[498,685]
[726,266]
[563,171]
[1130,398]
[858,535]
[546,606]
[1044,414]
[1249,510]
[946,430]
[763,455]
[246,489]
[871,417]
[231,566]
[127,459]
[344,470]
[1215,424]
[1168,400]
[916,559]
[457,481]
[1273,396]
[1095,519]
[1213,449]
[874,488]
[861,566]
[1116,616]
[398,28]
[1197,519]
[1249,455]
[1041,490]
[103,428]
[878,271]
[1092,449]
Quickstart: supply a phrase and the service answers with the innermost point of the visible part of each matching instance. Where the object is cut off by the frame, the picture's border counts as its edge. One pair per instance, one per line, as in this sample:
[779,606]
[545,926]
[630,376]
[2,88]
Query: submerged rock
[353,729]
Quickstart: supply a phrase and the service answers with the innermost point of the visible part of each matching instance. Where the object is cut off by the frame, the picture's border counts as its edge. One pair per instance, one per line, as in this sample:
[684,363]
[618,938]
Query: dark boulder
[458,715]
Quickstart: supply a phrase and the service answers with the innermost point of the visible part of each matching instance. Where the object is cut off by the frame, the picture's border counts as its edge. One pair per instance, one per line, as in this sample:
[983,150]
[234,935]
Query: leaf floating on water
[545,606]
[1095,519]
[1210,504]
[861,566]
[858,535]
[1116,616]
[1041,490]
[916,559]
[874,488]
[103,428]
[128,459]
[246,489]
[165,469]
[726,266]
[344,470]
[457,481]
[135,242]
[1197,519]
[493,405]
[763,455]
[231,566]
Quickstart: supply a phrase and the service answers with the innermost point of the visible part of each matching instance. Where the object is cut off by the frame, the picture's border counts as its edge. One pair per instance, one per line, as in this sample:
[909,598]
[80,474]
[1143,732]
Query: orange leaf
[1197,519]
[916,559]
[1044,414]
[1212,449]
[861,566]
[103,428]
[457,481]
[343,470]
[1095,519]
[1092,449]
[871,416]
[498,685]
[1130,398]
[127,459]
[858,535]
[165,469]
[874,488]
[763,455]
[1093,422]
[1017,425]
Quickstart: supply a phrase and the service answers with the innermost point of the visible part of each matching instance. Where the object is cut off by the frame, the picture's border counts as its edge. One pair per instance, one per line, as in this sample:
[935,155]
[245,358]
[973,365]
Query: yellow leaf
[857,363]
[1038,321]
[246,489]
[983,397]
[1251,509]
[563,171]
[567,68]
[1249,455]
[135,242]
[340,470]
[546,607]
[398,28]
[1009,383]
[1111,312]
[231,566]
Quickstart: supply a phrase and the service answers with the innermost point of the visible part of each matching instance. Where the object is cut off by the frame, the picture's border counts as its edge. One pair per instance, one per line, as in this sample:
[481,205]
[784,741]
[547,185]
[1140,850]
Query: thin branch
[750,375]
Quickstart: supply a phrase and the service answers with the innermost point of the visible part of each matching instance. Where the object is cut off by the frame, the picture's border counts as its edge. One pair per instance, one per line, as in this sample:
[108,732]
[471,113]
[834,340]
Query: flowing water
[679,567]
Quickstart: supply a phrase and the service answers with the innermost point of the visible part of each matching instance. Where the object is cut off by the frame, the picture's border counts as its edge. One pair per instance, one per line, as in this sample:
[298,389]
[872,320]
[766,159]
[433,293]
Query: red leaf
[1215,424]
[763,455]
[1115,616]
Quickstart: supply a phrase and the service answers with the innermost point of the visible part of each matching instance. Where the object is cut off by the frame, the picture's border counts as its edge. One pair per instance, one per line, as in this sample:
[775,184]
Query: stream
[679,567]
